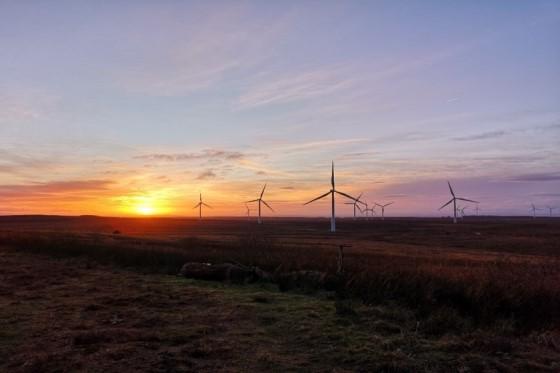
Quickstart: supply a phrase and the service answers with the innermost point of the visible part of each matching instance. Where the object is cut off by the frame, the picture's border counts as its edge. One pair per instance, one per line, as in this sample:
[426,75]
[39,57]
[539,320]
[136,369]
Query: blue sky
[104,106]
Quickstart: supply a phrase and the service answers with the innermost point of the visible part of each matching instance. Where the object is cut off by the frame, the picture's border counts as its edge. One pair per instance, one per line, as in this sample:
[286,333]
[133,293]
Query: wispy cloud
[543,176]
[205,154]
[482,136]
[294,87]
[227,38]
[18,106]
[205,175]
[55,188]
[310,145]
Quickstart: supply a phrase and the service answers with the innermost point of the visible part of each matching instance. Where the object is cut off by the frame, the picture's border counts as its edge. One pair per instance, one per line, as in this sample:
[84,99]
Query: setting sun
[145,209]
[154,203]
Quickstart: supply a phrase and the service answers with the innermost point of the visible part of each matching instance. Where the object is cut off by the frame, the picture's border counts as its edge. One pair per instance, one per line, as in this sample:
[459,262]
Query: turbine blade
[389,204]
[332,175]
[451,189]
[255,200]
[468,200]
[451,200]
[346,195]
[262,193]
[315,199]
[359,209]
[197,205]
[266,204]
[207,205]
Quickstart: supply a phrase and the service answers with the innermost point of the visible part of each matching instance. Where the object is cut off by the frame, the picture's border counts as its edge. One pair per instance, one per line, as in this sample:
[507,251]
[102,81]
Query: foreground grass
[448,289]
[75,314]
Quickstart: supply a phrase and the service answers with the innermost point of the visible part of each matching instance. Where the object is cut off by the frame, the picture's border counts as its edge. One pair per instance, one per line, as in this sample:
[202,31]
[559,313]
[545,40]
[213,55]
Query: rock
[226,272]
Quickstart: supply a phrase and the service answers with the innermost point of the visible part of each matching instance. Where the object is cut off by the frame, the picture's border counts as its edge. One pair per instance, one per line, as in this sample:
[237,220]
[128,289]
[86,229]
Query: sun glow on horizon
[145,209]
[153,204]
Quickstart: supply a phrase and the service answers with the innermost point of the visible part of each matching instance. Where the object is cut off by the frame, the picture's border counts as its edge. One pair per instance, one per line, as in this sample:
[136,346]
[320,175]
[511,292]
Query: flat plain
[102,294]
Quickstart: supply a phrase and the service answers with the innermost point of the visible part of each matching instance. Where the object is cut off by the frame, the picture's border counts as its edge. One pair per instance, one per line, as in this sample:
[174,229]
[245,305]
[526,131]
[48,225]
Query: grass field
[418,295]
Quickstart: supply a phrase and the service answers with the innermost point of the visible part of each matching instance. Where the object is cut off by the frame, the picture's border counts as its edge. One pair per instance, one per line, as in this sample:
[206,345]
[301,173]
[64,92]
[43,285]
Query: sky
[135,107]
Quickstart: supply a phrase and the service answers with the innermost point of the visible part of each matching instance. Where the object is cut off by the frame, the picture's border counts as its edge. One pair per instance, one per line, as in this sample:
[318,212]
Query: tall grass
[525,293]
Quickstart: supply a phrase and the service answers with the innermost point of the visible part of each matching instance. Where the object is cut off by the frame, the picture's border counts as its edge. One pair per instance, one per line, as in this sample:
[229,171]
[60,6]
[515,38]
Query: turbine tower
[550,208]
[248,212]
[260,200]
[454,199]
[477,209]
[199,206]
[534,209]
[355,203]
[332,192]
[383,208]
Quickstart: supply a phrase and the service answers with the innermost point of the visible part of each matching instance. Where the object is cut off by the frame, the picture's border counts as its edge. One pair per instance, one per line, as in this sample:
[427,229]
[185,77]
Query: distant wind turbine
[261,200]
[454,199]
[383,209]
[248,211]
[461,210]
[199,206]
[332,193]
[550,208]
[534,209]
[372,210]
[367,210]
[355,203]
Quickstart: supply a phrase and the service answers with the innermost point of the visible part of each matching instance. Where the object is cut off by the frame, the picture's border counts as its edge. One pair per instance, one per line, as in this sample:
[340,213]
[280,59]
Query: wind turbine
[534,209]
[372,210]
[332,193]
[550,208]
[199,205]
[383,209]
[355,203]
[261,200]
[454,199]
[461,210]
[367,209]
[248,211]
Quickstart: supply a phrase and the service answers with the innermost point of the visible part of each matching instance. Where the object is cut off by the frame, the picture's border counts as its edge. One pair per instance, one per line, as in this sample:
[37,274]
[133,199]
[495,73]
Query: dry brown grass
[465,270]
[61,314]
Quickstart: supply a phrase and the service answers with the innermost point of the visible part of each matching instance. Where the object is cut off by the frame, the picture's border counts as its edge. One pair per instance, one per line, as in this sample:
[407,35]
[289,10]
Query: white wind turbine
[550,208]
[261,200]
[461,210]
[372,210]
[355,203]
[383,208]
[248,211]
[332,193]
[199,206]
[534,209]
[454,199]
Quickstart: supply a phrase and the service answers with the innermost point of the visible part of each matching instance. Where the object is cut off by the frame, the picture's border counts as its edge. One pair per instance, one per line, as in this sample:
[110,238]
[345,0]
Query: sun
[146,204]
[145,209]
